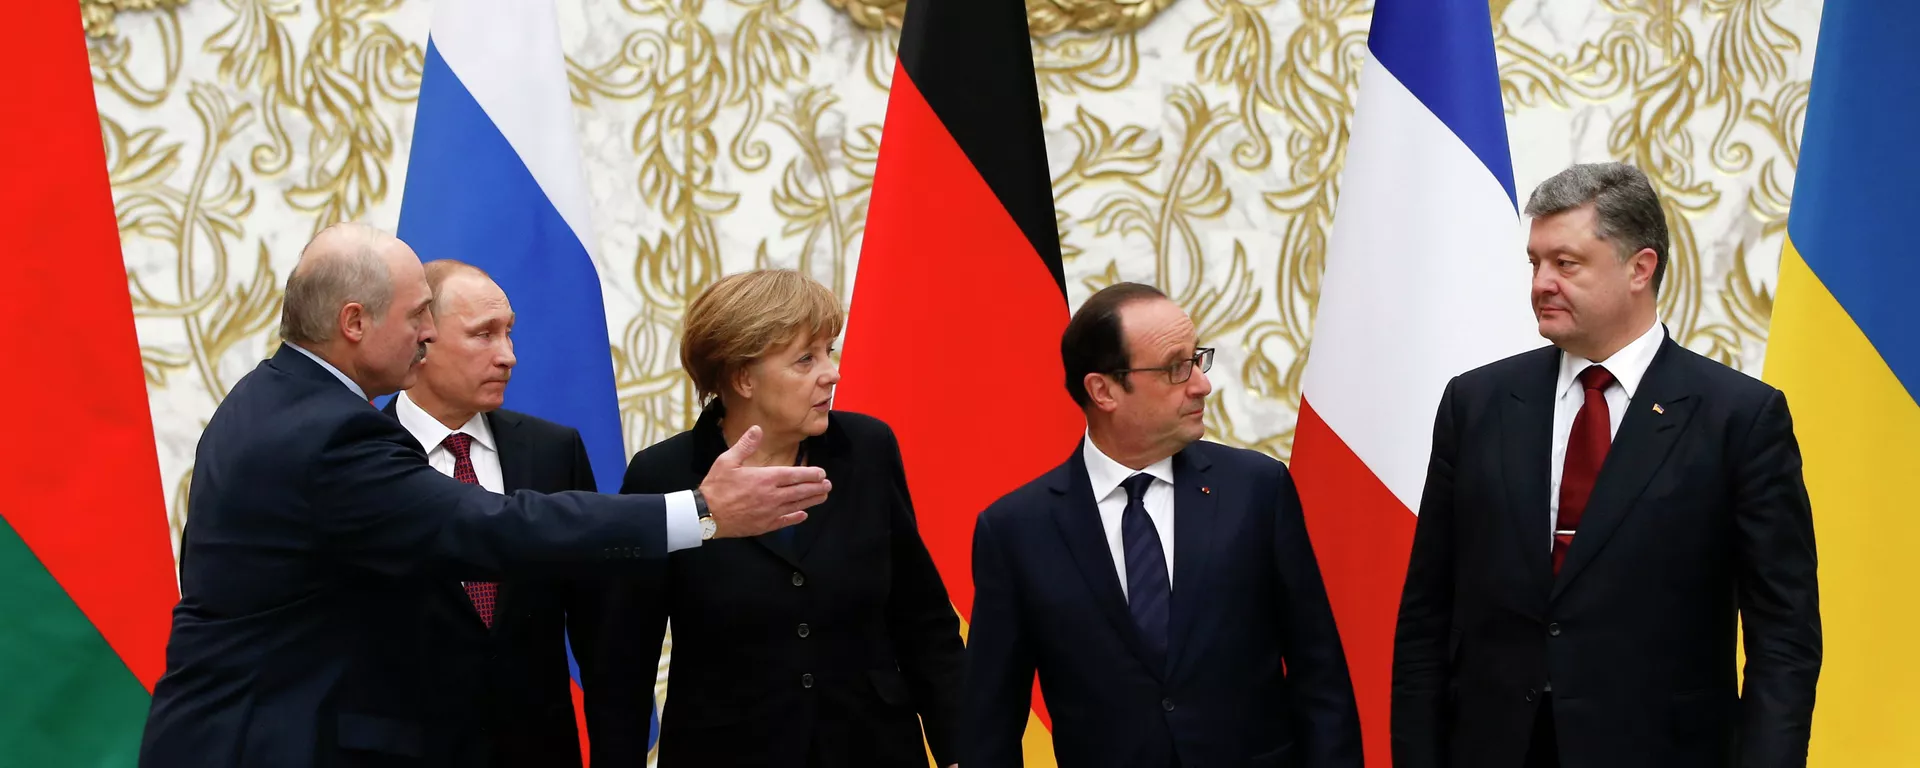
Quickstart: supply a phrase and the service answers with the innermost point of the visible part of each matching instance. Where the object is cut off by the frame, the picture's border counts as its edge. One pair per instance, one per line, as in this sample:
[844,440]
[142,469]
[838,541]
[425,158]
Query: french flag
[1426,278]
[495,180]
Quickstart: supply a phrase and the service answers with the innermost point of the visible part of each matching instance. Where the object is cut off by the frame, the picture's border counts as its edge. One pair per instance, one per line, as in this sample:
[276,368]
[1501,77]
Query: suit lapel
[1077,514]
[516,458]
[1639,448]
[516,474]
[1195,522]
[1526,426]
[829,453]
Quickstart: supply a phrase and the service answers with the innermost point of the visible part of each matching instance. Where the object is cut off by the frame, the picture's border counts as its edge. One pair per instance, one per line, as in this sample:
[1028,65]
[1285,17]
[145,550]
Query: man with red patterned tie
[316,528]
[501,646]
[1599,516]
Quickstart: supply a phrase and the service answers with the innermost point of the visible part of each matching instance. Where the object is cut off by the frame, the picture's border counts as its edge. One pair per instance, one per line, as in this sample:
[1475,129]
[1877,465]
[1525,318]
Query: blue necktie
[1149,593]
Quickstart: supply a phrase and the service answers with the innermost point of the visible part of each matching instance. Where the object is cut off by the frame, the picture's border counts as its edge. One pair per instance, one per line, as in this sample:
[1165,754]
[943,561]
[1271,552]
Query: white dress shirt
[432,435]
[683,517]
[1107,475]
[1628,366]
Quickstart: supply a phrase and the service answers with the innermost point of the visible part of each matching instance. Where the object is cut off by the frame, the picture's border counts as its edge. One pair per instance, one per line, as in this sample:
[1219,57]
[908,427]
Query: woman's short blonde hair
[743,316]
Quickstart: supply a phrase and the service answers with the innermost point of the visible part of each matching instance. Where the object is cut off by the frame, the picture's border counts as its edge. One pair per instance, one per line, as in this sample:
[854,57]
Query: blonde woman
[831,643]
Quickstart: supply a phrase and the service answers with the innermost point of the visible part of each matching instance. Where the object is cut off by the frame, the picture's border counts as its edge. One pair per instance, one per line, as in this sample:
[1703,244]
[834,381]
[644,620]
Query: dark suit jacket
[1255,676]
[516,672]
[838,646]
[300,639]
[1698,518]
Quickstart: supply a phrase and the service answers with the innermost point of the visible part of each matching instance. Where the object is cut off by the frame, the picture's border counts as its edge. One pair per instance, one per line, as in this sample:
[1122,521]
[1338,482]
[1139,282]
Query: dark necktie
[1587,448]
[482,593]
[1149,593]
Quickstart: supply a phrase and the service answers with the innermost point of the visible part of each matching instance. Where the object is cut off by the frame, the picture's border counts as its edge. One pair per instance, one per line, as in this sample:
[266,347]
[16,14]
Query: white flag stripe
[1426,278]
[507,54]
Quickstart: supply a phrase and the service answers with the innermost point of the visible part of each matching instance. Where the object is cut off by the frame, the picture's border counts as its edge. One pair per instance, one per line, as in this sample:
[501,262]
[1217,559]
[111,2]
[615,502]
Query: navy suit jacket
[1255,675]
[515,672]
[1698,528]
[300,639]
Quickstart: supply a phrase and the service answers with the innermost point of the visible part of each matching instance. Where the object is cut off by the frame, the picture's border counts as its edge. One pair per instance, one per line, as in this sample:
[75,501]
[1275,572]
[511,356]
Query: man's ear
[354,322]
[1103,391]
[1641,268]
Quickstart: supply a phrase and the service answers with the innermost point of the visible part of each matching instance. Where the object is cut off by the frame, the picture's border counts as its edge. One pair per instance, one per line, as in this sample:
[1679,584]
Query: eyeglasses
[1178,373]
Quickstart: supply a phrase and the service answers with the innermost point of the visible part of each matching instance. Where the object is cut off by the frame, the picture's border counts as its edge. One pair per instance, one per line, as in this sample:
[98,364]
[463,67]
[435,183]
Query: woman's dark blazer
[832,643]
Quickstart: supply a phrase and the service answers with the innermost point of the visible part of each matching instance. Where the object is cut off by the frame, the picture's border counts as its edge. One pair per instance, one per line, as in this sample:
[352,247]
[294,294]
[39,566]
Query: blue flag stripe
[1854,193]
[469,197]
[1442,51]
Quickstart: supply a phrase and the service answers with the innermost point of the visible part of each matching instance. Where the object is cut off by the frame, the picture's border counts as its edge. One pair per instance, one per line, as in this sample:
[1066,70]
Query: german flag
[959,300]
[86,573]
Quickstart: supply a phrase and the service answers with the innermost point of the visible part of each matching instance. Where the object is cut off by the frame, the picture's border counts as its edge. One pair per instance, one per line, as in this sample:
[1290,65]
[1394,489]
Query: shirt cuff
[683,521]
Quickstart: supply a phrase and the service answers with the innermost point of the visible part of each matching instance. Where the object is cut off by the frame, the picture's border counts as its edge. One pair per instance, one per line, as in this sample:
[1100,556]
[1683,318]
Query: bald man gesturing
[315,523]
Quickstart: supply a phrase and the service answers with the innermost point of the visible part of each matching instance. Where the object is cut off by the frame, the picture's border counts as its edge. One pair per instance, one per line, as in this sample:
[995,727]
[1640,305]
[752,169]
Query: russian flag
[1426,278]
[495,180]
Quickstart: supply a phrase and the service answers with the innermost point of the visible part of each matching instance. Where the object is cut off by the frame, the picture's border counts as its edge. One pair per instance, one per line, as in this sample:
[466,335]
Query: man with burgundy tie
[1599,517]
[501,645]
[301,639]
[1162,586]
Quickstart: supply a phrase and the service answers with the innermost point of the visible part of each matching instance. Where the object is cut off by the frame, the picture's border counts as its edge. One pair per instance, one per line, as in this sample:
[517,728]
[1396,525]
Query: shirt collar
[330,369]
[430,432]
[1628,366]
[1107,474]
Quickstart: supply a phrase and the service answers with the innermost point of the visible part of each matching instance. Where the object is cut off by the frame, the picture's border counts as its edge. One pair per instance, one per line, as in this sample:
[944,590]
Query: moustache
[420,353]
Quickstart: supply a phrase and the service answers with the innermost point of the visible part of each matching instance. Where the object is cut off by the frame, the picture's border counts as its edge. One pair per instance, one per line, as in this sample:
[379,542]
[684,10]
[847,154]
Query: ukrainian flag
[1845,348]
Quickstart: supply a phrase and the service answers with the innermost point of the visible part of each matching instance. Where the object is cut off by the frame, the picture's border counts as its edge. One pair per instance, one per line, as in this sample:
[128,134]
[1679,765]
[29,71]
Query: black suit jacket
[516,671]
[1698,518]
[300,638]
[1255,675]
[838,646]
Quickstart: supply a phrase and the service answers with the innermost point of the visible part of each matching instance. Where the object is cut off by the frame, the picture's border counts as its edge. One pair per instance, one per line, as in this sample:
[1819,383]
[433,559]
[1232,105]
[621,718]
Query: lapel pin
[1658,409]
[1206,490]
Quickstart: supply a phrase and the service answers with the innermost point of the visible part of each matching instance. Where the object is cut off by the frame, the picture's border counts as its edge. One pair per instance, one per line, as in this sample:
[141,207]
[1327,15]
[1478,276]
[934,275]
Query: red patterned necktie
[1587,448]
[460,444]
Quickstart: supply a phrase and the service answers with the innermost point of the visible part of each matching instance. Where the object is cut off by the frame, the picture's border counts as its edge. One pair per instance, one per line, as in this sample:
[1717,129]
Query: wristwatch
[707,524]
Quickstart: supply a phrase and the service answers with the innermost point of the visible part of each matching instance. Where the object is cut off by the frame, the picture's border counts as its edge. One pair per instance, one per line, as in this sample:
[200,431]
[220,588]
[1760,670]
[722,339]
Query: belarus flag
[86,573]
[1426,278]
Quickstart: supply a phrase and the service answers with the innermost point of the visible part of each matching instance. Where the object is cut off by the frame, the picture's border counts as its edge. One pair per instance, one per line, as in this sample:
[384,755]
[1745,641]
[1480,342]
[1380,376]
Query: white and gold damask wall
[1195,144]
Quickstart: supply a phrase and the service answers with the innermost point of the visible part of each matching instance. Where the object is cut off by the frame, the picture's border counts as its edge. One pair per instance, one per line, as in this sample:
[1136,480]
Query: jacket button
[1166,704]
[1553,629]
[798,579]
[1532,694]
[806,680]
[804,631]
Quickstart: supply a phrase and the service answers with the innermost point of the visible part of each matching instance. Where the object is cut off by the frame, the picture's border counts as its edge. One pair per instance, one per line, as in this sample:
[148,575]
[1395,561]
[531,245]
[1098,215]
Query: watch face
[707,527]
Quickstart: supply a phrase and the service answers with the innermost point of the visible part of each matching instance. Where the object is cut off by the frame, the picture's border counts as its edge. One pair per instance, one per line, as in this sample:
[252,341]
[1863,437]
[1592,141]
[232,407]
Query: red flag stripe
[82,479]
[1362,536]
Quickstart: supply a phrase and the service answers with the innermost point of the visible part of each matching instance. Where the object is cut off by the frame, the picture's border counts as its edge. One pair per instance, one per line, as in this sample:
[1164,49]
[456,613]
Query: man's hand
[749,501]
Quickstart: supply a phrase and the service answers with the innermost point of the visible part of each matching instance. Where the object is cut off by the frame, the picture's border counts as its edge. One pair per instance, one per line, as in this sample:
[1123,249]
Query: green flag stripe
[65,697]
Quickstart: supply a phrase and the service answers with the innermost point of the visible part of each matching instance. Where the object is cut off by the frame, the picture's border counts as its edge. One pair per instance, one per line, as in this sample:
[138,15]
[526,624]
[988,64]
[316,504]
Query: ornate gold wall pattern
[1044,17]
[1196,145]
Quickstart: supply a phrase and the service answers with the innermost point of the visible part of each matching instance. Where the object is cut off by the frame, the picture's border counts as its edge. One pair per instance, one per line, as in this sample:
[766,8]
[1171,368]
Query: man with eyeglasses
[1162,586]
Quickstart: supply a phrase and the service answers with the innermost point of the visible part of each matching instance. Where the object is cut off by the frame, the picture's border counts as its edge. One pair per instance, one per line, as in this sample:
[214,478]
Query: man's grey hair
[341,265]
[1626,209]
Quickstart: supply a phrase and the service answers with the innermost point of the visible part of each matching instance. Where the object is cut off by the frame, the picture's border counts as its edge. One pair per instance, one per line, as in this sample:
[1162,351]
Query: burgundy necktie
[481,592]
[1587,448]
